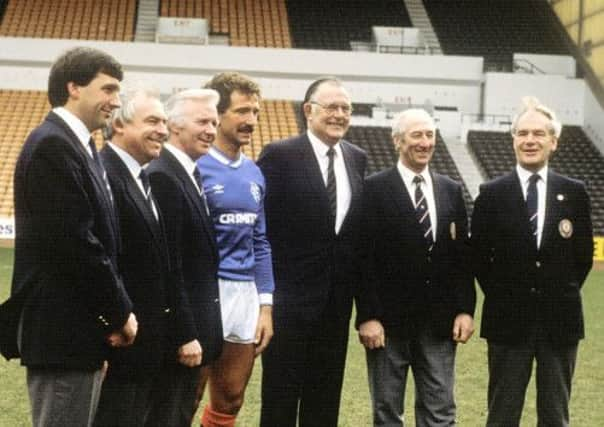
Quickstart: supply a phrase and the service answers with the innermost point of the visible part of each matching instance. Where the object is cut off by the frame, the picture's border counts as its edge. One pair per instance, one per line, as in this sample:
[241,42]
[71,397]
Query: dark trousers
[302,373]
[176,397]
[125,401]
[432,361]
[510,369]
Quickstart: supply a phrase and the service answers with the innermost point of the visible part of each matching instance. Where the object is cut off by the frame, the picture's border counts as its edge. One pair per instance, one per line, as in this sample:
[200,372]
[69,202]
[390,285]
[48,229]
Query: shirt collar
[75,124]
[524,174]
[182,157]
[320,148]
[219,155]
[408,175]
[133,166]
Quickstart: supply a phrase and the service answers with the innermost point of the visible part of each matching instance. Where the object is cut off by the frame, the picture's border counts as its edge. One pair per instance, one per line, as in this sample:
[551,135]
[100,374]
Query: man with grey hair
[177,187]
[138,132]
[417,296]
[533,248]
[313,184]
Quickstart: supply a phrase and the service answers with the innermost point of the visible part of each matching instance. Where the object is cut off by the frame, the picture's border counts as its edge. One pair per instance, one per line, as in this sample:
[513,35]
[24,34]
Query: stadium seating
[259,23]
[341,21]
[377,142]
[20,111]
[277,121]
[576,157]
[70,19]
[495,29]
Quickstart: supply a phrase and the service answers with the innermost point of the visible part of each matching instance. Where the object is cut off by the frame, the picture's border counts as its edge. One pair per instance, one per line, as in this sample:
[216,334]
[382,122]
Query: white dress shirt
[339,168]
[76,125]
[135,169]
[427,188]
[186,162]
[524,176]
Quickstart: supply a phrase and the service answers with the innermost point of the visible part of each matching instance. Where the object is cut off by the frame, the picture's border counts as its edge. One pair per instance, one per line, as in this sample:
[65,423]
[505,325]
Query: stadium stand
[70,19]
[576,157]
[377,142]
[343,21]
[493,29]
[258,23]
[20,112]
[277,121]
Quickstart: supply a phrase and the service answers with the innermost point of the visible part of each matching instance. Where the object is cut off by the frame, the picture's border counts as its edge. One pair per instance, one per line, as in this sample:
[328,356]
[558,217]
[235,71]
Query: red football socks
[211,418]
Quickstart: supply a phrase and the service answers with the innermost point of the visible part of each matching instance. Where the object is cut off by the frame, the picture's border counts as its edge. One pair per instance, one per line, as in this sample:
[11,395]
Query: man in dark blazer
[130,386]
[417,296]
[532,237]
[67,299]
[176,184]
[314,184]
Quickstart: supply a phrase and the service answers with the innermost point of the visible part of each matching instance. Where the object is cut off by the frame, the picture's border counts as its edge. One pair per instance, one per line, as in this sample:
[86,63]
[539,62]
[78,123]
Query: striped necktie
[332,191]
[147,187]
[422,213]
[532,204]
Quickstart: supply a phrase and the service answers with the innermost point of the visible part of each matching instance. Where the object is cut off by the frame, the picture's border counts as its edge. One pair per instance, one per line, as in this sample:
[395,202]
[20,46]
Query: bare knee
[228,402]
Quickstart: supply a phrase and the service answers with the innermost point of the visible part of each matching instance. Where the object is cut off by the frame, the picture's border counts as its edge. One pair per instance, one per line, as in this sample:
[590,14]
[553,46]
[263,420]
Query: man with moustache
[138,133]
[417,296]
[313,185]
[235,190]
[68,300]
[176,184]
[533,247]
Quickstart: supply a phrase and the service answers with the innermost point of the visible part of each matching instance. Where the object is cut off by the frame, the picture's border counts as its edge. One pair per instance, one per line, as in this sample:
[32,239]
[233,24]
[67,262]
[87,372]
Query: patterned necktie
[532,204]
[100,168]
[422,213]
[147,187]
[199,181]
[332,191]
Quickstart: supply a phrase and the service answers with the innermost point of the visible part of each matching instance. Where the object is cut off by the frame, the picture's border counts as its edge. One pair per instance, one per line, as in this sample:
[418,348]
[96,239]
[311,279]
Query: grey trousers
[63,398]
[432,361]
[510,369]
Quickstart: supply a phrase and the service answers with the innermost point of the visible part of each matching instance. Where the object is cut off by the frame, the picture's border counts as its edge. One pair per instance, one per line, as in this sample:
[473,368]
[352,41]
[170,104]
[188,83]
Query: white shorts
[240,307]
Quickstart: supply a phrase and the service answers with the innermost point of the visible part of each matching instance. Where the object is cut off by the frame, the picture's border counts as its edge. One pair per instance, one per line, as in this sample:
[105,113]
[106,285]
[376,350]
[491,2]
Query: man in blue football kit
[234,188]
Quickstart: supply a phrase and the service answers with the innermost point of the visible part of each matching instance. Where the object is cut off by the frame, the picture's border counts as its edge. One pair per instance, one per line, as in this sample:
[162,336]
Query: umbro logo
[218,188]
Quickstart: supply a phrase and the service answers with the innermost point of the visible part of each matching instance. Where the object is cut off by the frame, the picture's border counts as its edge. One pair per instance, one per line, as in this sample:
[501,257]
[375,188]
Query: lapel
[90,166]
[516,205]
[354,178]
[191,193]
[133,192]
[399,194]
[313,172]
[551,204]
[443,205]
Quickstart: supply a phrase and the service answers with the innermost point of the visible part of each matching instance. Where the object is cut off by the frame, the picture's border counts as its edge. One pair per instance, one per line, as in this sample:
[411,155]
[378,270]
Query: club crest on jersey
[218,189]
[255,190]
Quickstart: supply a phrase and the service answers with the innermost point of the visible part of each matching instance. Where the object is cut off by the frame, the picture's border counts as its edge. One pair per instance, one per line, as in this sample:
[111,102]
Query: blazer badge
[453,231]
[565,227]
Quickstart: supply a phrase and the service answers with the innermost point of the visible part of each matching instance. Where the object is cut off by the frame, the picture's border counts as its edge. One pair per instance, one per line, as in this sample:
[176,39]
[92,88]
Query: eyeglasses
[332,109]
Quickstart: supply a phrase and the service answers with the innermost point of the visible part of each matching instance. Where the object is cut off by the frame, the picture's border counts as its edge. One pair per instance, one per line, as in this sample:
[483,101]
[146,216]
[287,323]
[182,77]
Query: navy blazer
[404,285]
[193,250]
[65,278]
[312,264]
[145,267]
[518,279]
